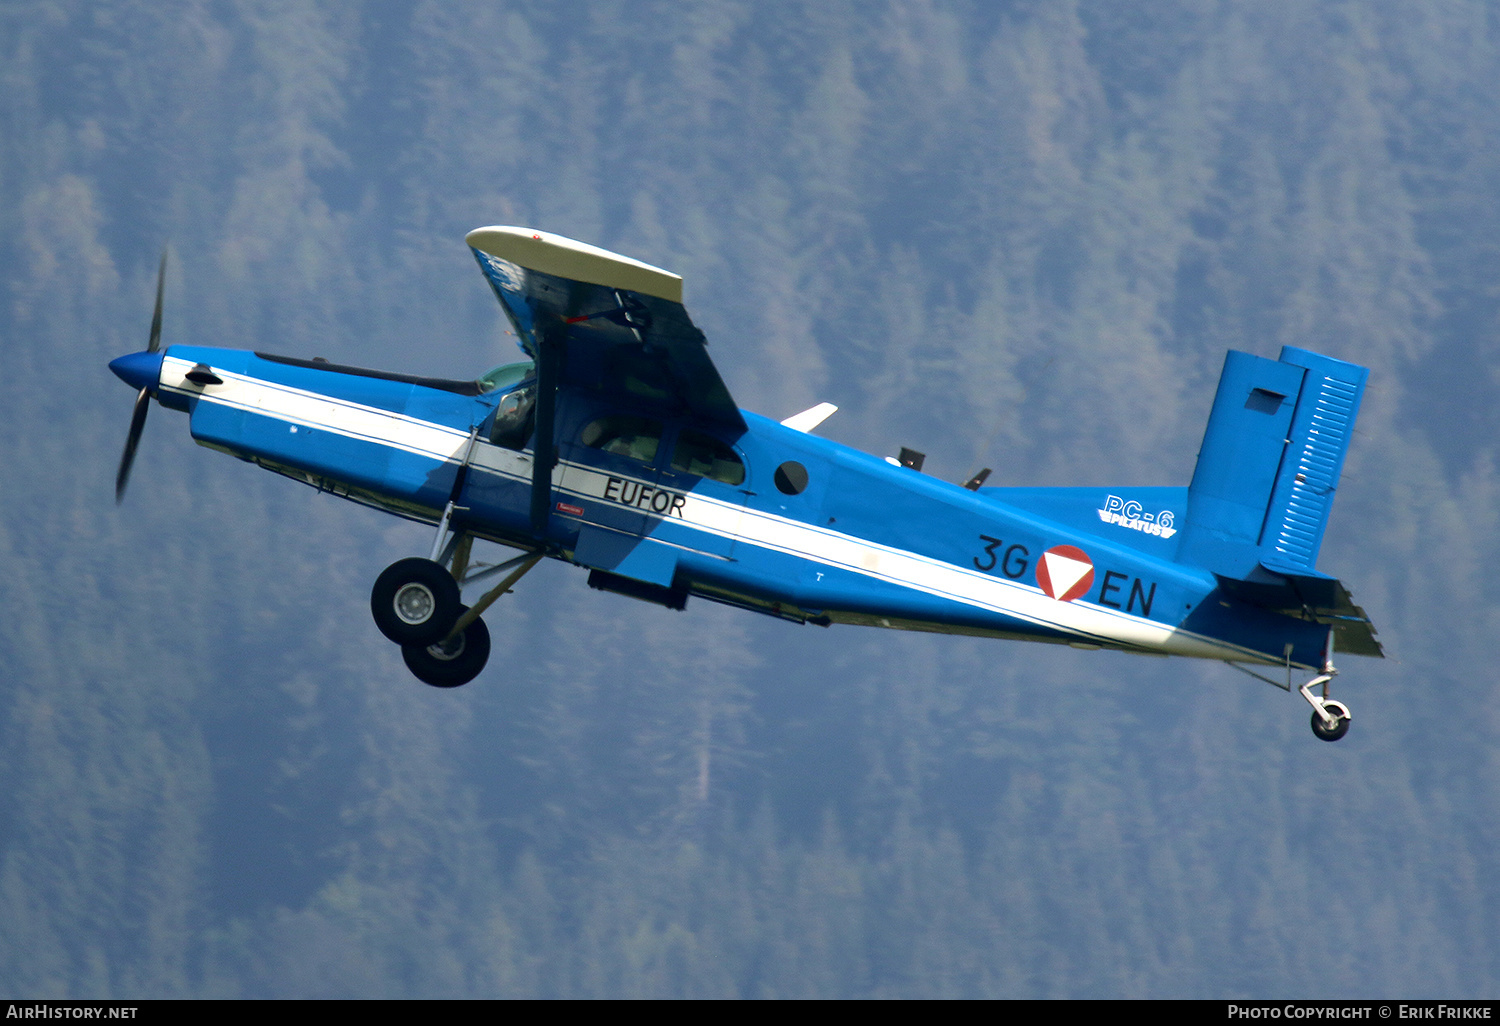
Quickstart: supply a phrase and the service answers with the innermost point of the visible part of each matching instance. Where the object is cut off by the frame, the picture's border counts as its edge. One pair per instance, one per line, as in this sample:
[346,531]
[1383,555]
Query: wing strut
[544,449]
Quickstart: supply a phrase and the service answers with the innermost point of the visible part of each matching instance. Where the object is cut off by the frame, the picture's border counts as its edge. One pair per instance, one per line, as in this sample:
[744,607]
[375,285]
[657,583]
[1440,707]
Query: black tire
[1326,733]
[414,601]
[460,663]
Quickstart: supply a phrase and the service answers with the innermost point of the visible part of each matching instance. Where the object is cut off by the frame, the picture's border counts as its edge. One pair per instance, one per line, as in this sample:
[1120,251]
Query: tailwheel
[1340,714]
[1330,719]
[415,602]
[448,664]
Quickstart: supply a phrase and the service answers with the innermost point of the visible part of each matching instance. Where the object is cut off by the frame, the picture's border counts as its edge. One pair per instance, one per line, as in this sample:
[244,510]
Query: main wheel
[448,666]
[414,601]
[1338,730]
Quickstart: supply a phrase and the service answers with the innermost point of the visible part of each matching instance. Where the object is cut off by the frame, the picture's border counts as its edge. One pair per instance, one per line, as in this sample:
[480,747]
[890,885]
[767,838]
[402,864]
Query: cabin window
[515,416]
[706,456]
[791,478]
[636,438]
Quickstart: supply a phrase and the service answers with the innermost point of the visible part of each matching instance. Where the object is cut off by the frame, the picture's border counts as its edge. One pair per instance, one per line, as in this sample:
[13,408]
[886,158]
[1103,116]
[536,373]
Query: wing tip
[559,255]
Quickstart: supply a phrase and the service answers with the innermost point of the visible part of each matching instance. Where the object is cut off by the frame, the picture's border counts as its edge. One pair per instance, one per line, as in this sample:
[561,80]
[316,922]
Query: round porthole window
[791,478]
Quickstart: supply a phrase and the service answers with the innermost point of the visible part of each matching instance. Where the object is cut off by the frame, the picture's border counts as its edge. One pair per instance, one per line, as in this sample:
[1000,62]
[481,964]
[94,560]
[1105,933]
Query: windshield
[506,375]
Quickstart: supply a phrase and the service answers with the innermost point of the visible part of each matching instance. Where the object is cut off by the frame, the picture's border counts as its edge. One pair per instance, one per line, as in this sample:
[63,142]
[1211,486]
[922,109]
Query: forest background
[1018,235]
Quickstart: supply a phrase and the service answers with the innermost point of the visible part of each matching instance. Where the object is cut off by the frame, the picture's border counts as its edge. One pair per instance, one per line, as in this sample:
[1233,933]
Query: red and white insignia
[1065,572]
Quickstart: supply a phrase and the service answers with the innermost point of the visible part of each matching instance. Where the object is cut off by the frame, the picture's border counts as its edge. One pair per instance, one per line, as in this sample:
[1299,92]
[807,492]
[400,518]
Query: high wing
[617,325]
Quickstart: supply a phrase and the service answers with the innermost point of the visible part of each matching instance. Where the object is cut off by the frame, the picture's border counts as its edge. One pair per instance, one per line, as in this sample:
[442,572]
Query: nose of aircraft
[138,370]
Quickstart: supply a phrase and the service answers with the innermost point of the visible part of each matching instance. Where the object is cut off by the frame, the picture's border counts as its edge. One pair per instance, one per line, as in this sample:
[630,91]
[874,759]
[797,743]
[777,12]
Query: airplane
[615,446]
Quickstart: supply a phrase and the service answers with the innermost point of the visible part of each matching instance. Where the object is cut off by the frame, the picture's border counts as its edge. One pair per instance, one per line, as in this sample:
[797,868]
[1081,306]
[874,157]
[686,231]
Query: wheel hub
[414,603]
[447,652]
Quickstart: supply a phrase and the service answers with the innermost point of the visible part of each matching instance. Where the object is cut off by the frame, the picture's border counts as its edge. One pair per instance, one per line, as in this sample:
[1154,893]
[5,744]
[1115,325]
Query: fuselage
[774,519]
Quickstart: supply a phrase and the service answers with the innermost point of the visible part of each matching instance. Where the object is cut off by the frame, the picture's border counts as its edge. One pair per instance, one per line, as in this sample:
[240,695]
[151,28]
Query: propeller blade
[161,277]
[143,398]
[127,458]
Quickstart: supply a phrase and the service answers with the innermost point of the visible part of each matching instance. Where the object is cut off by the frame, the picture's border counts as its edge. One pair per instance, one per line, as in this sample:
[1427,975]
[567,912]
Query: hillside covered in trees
[1019,235]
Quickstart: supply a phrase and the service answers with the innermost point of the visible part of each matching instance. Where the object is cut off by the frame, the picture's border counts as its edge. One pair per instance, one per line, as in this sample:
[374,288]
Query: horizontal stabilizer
[810,418]
[1316,597]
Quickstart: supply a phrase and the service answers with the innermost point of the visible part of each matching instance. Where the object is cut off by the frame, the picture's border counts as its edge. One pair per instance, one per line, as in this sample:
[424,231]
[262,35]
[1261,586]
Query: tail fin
[1270,463]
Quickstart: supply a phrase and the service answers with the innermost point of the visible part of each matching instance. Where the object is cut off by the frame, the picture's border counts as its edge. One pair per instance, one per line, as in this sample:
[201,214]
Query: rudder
[1321,431]
[1270,462]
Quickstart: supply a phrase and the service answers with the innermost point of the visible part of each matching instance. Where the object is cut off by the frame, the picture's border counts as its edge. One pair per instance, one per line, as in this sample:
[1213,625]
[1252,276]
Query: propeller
[143,398]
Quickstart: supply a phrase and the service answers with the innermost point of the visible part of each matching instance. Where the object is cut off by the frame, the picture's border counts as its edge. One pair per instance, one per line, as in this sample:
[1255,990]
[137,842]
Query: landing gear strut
[1330,719]
[416,601]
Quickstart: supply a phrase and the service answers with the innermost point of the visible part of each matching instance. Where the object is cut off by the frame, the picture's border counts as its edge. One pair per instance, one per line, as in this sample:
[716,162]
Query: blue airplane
[615,446]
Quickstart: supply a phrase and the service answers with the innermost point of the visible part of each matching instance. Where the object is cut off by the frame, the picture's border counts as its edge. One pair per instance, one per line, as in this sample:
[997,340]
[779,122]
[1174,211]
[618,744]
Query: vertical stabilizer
[1270,463]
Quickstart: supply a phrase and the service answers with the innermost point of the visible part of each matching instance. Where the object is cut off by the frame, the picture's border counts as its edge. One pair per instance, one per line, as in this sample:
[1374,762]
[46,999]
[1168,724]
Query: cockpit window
[623,435]
[706,456]
[506,375]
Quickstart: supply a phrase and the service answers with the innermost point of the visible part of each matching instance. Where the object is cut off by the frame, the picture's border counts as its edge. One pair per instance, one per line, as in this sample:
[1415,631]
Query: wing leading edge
[622,329]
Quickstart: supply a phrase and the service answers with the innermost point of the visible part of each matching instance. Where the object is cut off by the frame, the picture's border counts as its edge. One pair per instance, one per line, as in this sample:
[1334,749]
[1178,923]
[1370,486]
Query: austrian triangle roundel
[1065,572]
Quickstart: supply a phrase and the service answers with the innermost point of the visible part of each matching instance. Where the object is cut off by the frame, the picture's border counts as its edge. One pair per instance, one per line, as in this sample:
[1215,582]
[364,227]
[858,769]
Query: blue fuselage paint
[861,542]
